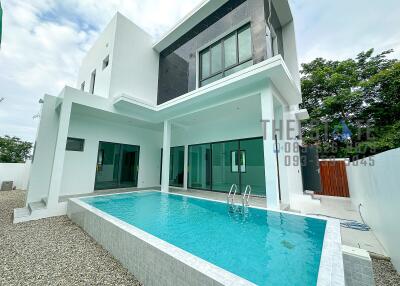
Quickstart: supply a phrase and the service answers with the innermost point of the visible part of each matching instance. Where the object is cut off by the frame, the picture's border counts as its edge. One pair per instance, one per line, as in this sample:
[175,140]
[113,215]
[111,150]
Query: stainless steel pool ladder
[246,196]
[230,199]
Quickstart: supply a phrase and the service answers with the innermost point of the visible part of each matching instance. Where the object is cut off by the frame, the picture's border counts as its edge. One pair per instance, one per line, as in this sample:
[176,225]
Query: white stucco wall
[290,51]
[220,130]
[80,167]
[135,63]
[16,172]
[377,189]
[102,48]
[42,164]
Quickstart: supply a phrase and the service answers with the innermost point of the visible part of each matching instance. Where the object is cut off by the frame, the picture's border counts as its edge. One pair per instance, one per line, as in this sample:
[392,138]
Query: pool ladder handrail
[231,196]
[246,196]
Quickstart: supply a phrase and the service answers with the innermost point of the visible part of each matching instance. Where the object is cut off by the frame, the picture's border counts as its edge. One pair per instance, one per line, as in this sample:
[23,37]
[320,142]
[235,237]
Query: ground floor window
[117,166]
[216,166]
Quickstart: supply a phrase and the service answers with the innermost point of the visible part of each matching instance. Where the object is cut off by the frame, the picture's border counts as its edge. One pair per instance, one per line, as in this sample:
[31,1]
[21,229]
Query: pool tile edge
[114,235]
[331,270]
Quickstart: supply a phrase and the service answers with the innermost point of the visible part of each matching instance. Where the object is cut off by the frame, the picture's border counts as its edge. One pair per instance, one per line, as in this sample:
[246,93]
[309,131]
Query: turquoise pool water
[264,247]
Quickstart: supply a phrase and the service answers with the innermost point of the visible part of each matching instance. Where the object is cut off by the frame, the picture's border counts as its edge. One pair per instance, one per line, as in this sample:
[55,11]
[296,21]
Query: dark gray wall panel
[177,72]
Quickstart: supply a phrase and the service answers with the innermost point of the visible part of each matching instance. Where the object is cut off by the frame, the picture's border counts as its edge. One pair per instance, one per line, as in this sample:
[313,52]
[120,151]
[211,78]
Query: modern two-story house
[213,103]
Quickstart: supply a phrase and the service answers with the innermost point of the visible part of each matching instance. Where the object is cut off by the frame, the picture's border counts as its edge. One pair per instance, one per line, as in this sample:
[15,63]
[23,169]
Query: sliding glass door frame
[211,173]
[119,164]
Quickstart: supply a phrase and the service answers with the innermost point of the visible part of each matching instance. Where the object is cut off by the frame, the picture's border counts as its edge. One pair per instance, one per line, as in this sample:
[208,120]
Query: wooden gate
[334,178]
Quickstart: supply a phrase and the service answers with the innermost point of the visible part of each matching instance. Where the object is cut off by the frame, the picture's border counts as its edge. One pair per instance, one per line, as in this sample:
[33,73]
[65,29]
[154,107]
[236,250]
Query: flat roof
[203,10]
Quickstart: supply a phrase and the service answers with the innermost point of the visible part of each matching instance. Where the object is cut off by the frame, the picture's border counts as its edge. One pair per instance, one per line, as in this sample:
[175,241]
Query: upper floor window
[92,82]
[106,61]
[226,56]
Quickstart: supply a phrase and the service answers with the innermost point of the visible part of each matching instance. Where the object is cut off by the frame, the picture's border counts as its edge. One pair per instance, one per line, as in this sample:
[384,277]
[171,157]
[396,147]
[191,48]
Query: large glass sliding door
[199,176]
[216,166]
[225,165]
[252,166]
[117,166]
[177,157]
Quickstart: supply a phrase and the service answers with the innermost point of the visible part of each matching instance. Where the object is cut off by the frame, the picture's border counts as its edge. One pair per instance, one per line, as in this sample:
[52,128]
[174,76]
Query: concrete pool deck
[342,208]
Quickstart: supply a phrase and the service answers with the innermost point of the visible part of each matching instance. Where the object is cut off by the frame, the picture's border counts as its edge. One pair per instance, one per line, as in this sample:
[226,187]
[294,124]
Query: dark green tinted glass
[230,51]
[176,168]
[205,64]
[199,176]
[252,166]
[117,166]
[244,40]
[239,67]
[224,165]
[211,79]
[216,58]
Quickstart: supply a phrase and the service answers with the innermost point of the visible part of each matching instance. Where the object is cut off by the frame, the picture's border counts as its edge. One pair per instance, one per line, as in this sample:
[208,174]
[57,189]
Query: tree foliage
[362,94]
[13,150]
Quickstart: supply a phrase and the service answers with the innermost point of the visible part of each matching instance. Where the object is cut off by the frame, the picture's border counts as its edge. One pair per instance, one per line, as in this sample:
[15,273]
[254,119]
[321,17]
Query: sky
[44,41]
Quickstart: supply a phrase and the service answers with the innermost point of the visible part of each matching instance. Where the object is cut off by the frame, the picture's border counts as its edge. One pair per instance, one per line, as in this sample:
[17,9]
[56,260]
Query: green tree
[363,93]
[13,150]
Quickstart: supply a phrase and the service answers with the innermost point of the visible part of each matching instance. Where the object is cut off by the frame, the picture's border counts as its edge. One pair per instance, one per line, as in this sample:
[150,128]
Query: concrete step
[21,212]
[312,195]
[35,206]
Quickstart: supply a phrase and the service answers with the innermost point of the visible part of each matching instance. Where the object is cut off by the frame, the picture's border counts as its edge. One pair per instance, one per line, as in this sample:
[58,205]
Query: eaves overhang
[205,9]
[202,11]
[247,82]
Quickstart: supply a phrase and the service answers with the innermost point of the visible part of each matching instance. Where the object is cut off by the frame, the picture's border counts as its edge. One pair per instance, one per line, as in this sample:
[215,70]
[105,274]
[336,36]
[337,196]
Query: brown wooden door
[334,178]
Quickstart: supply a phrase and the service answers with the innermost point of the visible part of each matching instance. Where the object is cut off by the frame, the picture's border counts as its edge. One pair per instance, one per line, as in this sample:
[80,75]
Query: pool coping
[331,271]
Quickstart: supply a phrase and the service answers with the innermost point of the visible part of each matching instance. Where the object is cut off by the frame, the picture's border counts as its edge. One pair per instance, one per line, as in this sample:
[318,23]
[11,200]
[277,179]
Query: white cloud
[341,29]
[44,42]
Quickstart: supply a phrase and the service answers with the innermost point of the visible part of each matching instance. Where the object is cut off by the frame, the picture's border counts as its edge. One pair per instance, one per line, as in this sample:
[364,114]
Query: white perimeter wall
[16,172]
[377,188]
[80,167]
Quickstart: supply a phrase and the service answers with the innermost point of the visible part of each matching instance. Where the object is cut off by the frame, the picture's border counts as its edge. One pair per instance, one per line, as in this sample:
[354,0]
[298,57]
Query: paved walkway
[52,251]
[342,208]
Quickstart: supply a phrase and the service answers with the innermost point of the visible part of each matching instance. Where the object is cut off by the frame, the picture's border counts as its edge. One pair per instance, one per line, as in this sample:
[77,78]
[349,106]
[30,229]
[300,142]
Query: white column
[166,156]
[285,147]
[59,154]
[185,167]
[271,174]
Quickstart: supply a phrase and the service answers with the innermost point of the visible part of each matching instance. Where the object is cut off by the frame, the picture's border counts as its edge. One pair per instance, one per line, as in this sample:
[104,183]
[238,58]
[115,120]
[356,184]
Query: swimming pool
[263,247]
